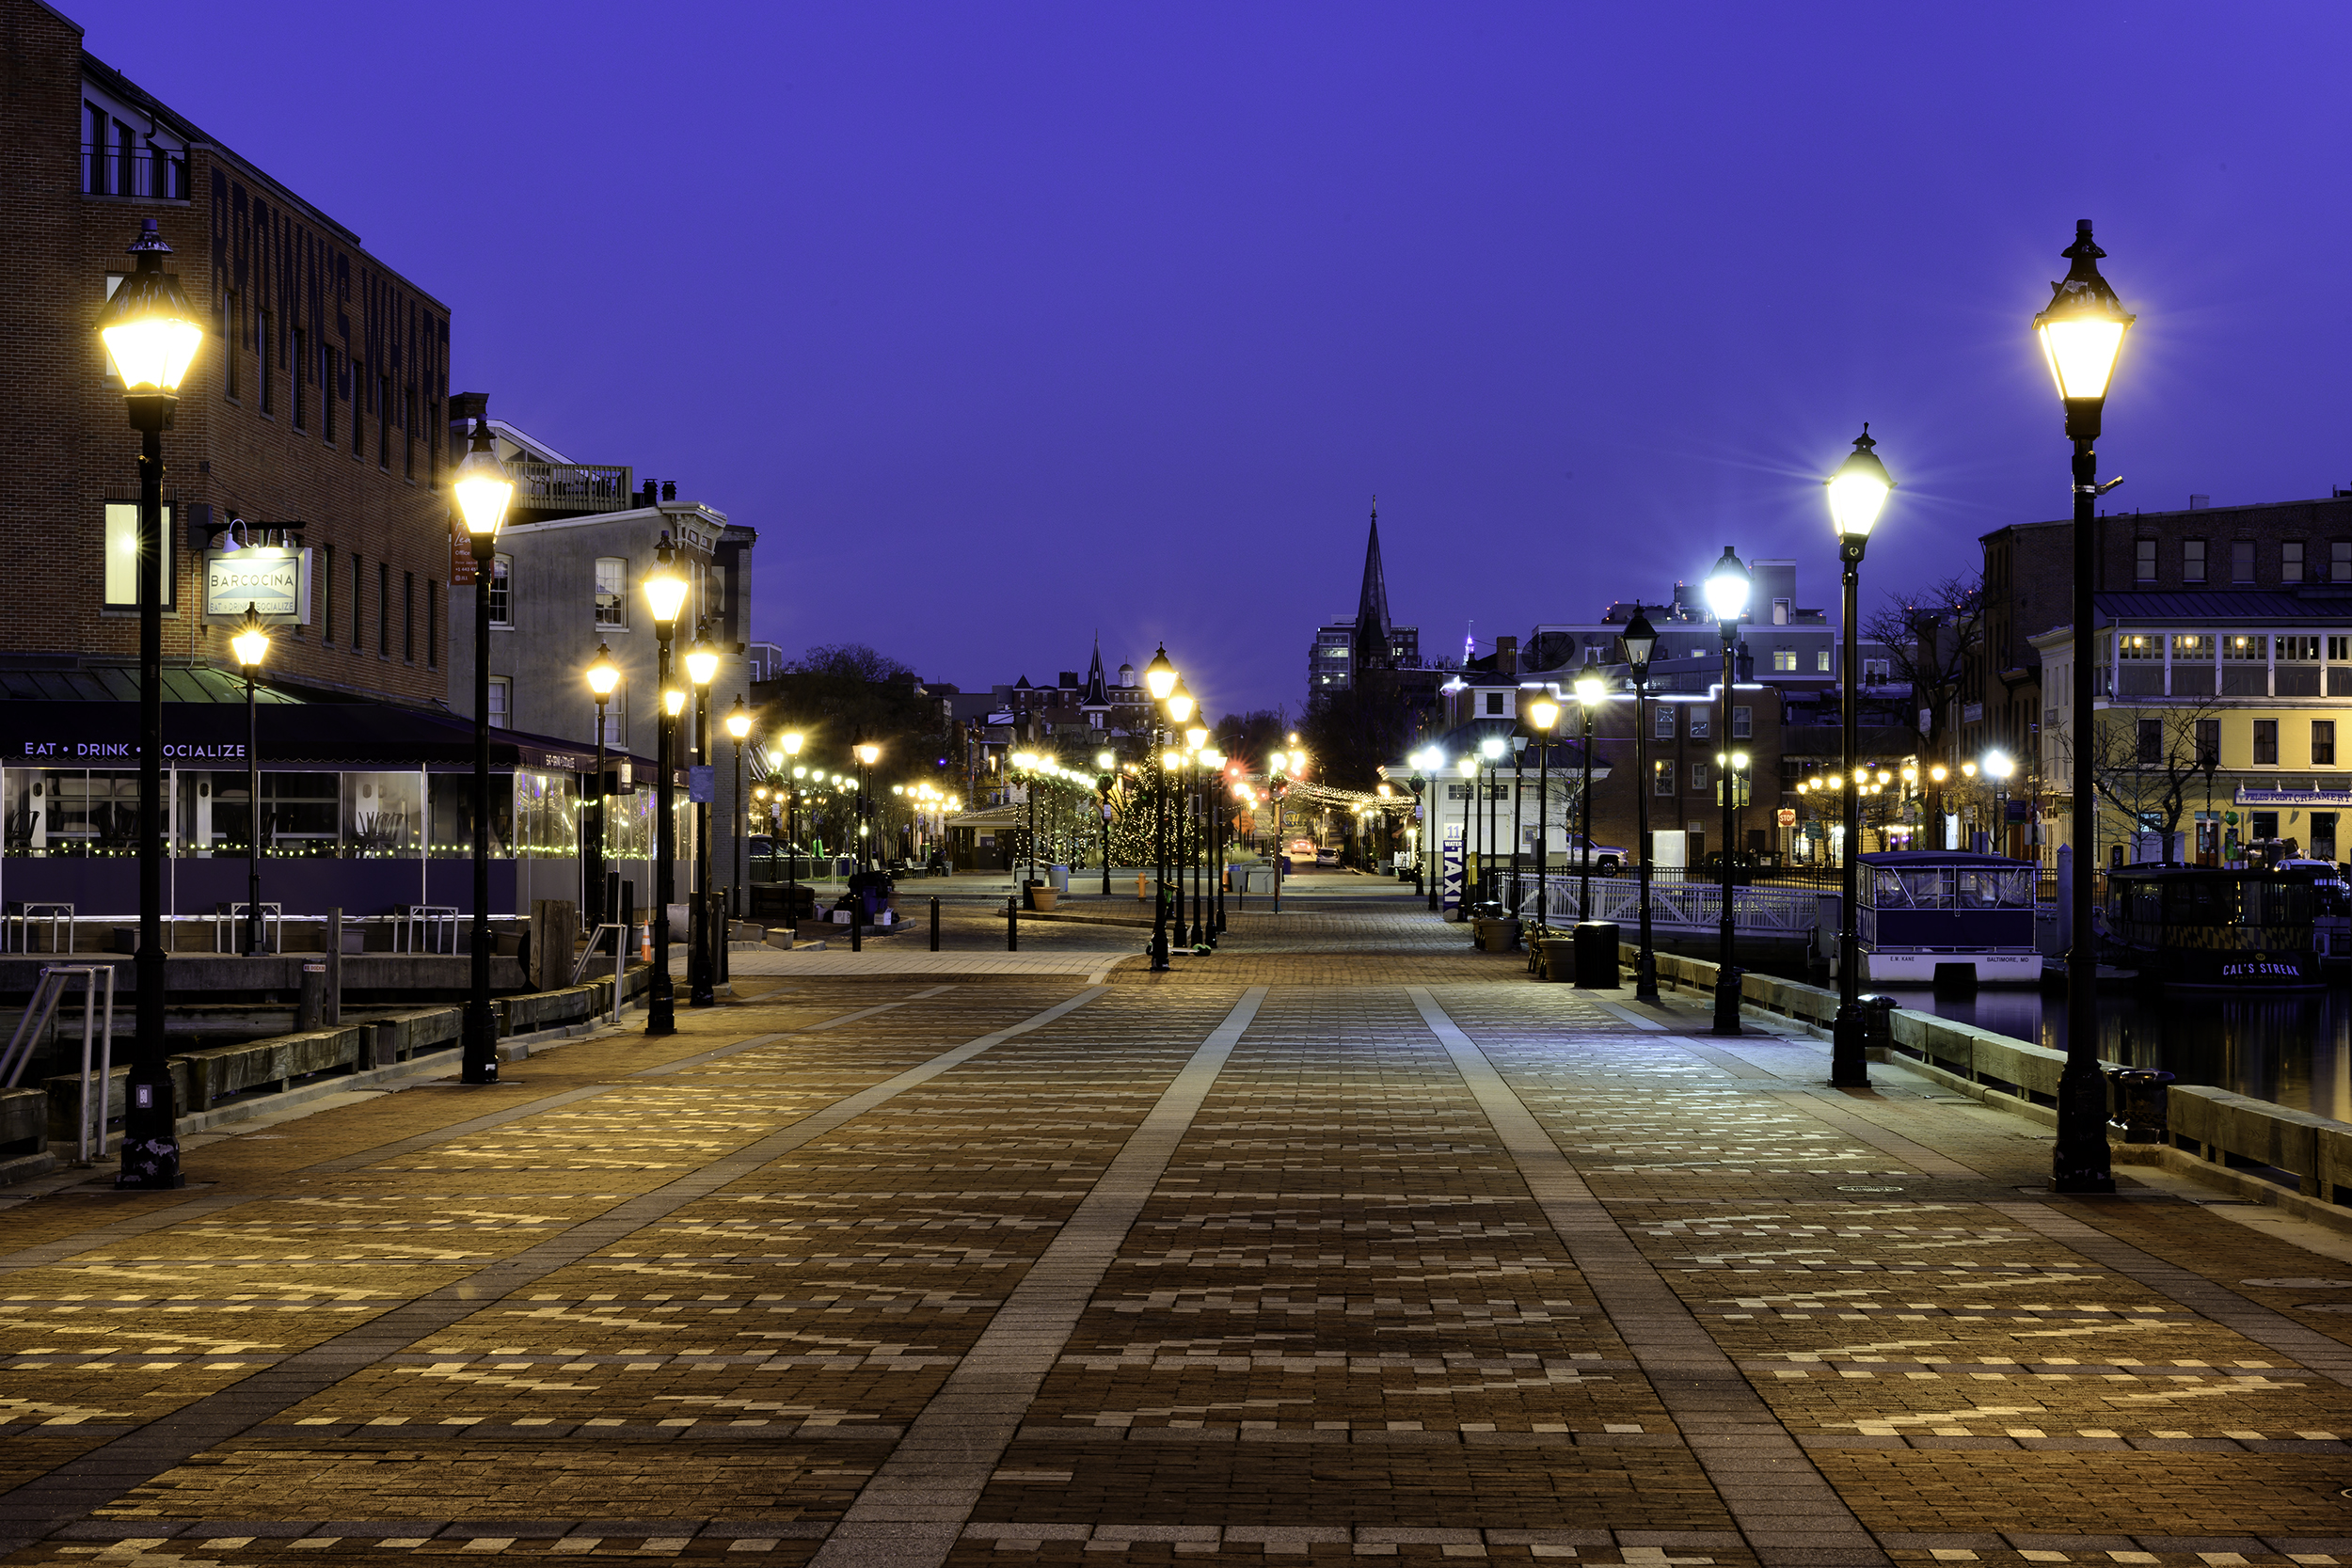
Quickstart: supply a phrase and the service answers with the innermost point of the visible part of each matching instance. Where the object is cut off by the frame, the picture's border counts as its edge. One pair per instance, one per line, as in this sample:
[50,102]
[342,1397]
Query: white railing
[1686,906]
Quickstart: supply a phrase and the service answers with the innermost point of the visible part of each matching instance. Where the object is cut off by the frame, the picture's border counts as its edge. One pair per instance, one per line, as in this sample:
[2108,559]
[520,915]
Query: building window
[384,422]
[327,594]
[2339,561]
[1784,659]
[2339,650]
[1698,777]
[2192,561]
[1699,716]
[1820,662]
[120,567]
[2144,563]
[2265,742]
[501,689]
[2208,742]
[2323,743]
[408,617]
[1664,724]
[326,395]
[2192,647]
[301,379]
[1494,701]
[1743,724]
[358,409]
[1662,775]
[232,322]
[617,717]
[2151,743]
[358,589]
[2291,560]
[2298,650]
[611,590]
[2242,561]
[1875,670]
[408,434]
[1780,612]
[500,607]
[2245,649]
[383,609]
[2140,645]
[266,360]
[432,624]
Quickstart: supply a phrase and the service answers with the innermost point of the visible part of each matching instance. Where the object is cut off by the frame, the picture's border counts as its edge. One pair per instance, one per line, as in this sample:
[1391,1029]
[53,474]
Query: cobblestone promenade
[1340,1243]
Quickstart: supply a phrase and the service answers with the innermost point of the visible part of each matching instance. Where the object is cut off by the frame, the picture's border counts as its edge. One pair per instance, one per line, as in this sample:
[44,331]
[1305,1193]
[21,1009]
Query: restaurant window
[2242,561]
[2246,647]
[59,811]
[1876,672]
[2291,560]
[2265,742]
[2323,743]
[500,603]
[2339,650]
[611,590]
[2192,561]
[2192,647]
[381,815]
[121,565]
[2144,563]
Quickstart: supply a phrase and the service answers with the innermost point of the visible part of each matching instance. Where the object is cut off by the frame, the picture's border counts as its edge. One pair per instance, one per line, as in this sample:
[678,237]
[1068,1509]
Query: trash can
[2142,1102]
[1878,1022]
[1060,876]
[1597,954]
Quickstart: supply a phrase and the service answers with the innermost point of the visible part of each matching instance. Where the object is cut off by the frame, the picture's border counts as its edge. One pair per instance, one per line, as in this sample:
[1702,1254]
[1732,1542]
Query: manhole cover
[1869,1189]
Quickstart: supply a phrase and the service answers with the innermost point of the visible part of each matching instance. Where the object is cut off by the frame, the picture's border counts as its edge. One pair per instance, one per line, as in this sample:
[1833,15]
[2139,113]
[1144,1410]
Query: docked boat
[2331,911]
[1926,916]
[2207,927]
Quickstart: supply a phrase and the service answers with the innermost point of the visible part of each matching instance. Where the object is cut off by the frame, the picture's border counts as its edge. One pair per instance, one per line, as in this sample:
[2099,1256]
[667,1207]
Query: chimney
[2199,503]
[466,408]
[646,498]
[1507,657]
[669,489]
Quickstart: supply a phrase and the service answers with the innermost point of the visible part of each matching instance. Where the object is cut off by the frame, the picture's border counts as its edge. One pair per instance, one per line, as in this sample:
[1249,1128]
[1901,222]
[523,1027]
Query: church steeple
[1373,641]
[1098,689]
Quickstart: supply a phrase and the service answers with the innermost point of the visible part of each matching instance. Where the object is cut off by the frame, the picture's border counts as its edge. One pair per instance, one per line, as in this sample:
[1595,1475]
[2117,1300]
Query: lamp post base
[1849,1055]
[1645,977]
[480,1056]
[150,1142]
[661,1007]
[1728,1002]
[2080,1160]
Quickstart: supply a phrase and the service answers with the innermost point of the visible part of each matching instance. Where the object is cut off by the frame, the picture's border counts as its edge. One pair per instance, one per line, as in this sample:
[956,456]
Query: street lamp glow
[1180,702]
[674,700]
[603,675]
[2082,331]
[1159,677]
[1543,713]
[1104,761]
[1727,587]
[868,754]
[1999,764]
[702,660]
[1939,772]
[1858,491]
[1590,687]
[251,641]
[482,486]
[1492,746]
[1195,736]
[665,588]
[1468,767]
[1171,760]
[738,719]
[150,330]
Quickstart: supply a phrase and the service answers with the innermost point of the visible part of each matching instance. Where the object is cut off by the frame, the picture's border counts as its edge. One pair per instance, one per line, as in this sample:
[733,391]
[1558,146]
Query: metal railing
[1681,907]
[157,174]
[572,486]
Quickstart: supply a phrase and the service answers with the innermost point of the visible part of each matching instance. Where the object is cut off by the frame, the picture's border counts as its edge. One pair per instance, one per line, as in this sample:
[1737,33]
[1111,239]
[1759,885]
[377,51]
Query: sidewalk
[903,1269]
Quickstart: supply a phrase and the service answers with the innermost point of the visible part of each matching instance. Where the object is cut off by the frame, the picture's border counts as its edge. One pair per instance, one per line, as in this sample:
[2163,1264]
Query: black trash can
[1596,954]
[2142,1102]
[1878,1022]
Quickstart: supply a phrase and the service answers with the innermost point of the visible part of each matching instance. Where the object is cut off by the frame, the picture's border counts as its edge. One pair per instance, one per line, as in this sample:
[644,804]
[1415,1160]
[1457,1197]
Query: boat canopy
[1949,879]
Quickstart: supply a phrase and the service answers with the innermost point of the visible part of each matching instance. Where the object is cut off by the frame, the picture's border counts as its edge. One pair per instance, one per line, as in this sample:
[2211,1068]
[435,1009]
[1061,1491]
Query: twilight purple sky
[1003,323]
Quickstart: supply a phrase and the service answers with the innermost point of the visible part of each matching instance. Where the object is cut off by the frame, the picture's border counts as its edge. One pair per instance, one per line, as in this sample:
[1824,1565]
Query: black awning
[37,734]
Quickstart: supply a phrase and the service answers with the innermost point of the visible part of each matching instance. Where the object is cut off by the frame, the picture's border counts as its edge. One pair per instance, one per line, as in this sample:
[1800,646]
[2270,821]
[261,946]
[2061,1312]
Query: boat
[2204,928]
[1929,916]
[2331,911]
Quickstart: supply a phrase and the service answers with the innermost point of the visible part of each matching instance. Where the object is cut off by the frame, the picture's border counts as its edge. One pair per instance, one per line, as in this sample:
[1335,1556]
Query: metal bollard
[1012,925]
[935,924]
[2142,1102]
[857,927]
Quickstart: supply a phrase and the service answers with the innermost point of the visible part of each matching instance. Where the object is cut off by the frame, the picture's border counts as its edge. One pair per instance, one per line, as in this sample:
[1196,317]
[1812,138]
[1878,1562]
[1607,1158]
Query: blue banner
[1450,869]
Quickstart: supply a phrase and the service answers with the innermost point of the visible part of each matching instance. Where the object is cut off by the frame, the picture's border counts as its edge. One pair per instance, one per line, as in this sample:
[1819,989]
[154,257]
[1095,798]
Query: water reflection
[2293,1050]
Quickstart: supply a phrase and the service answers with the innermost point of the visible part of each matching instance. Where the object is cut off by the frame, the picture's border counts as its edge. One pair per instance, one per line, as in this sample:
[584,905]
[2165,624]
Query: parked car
[1606,857]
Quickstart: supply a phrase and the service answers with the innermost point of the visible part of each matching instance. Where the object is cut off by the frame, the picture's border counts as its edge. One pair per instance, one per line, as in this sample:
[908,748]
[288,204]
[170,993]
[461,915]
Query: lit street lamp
[484,490]
[1999,766]
[738,724]
[1590,690]
[1160,681]
[1726,590]
[867,755]
[604,676]
[251,644]
[666,595]
[1105,763]
[791,748]
[1542,711]
[1641,643]
[1491,748]
[151,333]
[1857,494]
[2082,332]
[702,667]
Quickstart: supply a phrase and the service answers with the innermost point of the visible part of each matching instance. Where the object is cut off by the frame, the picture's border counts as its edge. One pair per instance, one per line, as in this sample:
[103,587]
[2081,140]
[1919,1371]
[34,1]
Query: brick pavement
[1344,1243]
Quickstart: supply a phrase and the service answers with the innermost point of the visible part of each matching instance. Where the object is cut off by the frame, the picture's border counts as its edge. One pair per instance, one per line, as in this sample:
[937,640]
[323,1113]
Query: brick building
[312,410]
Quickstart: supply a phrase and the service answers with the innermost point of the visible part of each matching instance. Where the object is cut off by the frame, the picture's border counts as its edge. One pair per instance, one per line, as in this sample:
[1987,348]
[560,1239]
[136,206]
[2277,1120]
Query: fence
[1676,906]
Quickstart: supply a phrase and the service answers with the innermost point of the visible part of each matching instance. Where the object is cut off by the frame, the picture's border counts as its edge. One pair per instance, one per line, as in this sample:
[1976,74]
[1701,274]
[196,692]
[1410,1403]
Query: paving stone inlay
[1314,1250]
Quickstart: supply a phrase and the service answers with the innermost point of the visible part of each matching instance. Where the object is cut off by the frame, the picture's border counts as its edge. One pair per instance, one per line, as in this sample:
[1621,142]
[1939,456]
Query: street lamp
[2082,333]
[1542,713]
[484,490]
[604,676]
[1726,590]
[1857,494]
[666,595]
[739,722]
[791,748]
[867,754]
[1428,765]
[1490,749]
[1105,763]
[1590,692]
[151,333]
[1999,767]
[702,667]
[1641,645]
[251,644]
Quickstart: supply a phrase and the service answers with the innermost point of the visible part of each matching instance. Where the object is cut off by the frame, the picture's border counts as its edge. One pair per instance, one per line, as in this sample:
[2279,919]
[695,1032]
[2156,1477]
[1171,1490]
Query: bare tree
[1927,635]
[2146,762]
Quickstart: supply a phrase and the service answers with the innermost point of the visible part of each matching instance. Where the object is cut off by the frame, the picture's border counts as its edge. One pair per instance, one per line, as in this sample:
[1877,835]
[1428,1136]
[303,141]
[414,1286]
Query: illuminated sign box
[275,581]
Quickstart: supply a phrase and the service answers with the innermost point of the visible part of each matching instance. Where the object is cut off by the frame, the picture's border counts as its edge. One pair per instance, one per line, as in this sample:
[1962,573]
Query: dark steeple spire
[1098,689]
[1372,605]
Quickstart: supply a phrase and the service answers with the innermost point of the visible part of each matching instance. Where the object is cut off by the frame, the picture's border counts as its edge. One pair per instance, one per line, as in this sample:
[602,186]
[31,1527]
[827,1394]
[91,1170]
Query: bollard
[312,1006]
[1878,1024]
[857,927]
[1012,925]
[2142,1102]
[935,924]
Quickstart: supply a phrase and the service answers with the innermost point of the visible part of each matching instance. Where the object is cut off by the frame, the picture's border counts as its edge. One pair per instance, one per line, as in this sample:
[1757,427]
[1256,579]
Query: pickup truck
[1606,857]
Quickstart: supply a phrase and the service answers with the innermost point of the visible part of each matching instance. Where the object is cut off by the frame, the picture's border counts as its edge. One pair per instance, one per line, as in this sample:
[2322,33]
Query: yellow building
[2217,719]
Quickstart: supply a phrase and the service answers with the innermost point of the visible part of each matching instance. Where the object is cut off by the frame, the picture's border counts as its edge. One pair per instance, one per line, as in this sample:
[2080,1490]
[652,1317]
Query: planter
[1556,957]
[1498,936]
[1041,899]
